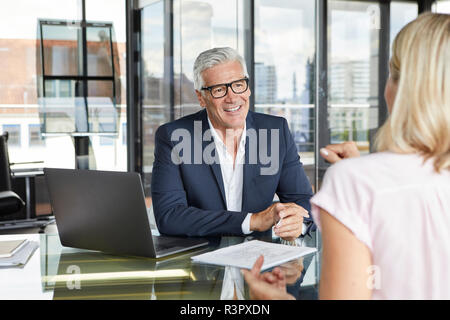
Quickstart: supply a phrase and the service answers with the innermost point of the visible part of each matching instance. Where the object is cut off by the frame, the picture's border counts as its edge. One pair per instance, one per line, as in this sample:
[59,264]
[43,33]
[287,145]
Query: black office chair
[10,202]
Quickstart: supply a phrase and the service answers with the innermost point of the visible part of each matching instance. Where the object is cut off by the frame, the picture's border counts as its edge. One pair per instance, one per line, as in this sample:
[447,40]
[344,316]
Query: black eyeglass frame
[227,85]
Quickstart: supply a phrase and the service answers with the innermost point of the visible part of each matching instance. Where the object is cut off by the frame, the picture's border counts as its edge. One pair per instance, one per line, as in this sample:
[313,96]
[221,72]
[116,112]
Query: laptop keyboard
[162,243]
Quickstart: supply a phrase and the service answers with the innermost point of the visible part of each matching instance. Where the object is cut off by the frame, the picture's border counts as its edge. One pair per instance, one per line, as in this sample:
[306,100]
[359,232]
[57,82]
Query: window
[284,68]
[14,136]
[34,136]
[154,79]
[353,74]
[107,140]
[18,80]
[21,78]
[124,134]
[401,14]
[441,6]
[199,26]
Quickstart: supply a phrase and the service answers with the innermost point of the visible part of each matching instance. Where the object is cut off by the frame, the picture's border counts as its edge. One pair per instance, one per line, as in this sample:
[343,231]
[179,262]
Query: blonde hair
[420,66]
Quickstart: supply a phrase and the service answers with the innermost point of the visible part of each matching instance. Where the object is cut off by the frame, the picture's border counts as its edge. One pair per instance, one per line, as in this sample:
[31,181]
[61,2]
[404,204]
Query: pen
[281,219]
[278,223]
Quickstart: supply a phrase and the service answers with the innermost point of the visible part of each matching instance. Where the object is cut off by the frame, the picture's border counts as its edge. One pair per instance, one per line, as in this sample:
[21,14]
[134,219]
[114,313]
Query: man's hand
[291,224]
[289,228]
[266,286]
[265,219]
[336,152]
[292,270]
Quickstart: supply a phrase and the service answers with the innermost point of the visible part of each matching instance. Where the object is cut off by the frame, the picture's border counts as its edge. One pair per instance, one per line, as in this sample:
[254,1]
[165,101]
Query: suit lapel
[250,167]
[215,167]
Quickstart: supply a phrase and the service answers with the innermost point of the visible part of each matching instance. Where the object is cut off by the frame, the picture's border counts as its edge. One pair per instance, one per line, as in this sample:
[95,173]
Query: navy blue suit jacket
[189,199]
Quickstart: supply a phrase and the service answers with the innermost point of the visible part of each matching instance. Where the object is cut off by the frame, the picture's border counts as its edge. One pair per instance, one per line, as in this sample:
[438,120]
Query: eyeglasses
[220,90]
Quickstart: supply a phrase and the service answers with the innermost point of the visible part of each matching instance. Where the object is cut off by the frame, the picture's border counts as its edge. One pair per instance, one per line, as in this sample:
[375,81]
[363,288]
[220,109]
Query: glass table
[69,273]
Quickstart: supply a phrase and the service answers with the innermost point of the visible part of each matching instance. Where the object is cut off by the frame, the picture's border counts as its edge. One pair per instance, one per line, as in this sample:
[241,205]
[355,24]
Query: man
[213,174]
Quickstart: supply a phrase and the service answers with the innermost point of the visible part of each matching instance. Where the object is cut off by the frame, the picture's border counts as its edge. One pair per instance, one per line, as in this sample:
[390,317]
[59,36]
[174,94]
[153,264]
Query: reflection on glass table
[81,274]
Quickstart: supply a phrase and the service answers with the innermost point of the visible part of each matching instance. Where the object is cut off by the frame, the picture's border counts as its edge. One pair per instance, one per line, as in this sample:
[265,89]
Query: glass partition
[285,69]
[105,60]
[353,49]
[199,26]
[154,97]
[401,14]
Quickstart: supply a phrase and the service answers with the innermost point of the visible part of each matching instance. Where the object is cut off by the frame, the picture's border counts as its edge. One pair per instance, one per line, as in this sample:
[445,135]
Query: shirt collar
[217,138]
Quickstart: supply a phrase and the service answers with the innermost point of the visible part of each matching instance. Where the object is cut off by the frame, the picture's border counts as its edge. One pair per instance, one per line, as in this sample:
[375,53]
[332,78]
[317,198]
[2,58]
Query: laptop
[106,211]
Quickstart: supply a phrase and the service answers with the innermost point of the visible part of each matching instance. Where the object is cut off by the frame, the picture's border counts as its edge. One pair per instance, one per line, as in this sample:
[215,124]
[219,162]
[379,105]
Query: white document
[8,248]
[244,255]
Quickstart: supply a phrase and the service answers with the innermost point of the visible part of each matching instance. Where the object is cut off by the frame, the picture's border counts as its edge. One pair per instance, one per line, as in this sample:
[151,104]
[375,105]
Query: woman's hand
[336,152]
[268,285]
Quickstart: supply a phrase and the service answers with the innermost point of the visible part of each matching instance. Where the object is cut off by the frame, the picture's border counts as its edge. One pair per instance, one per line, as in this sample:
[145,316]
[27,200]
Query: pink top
[400,209]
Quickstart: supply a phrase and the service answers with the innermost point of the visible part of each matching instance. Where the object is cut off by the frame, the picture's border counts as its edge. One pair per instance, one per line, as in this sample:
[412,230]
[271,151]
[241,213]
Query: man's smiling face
[230,111]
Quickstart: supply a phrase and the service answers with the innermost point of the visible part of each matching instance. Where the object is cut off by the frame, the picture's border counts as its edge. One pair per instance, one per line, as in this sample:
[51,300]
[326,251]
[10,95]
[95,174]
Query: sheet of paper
[244,255]
[21,257]
[8,248]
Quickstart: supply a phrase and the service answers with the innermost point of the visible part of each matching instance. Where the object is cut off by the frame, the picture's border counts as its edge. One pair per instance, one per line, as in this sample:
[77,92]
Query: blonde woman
[385,217]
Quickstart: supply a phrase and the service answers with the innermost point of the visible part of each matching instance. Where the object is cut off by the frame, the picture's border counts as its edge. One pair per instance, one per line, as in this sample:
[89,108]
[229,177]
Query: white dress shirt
[232,174]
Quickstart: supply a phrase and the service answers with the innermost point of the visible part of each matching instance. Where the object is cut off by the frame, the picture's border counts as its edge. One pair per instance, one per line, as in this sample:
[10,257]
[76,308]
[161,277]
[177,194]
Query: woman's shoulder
[383,170]
[355,166]
[366,172]
[378,161]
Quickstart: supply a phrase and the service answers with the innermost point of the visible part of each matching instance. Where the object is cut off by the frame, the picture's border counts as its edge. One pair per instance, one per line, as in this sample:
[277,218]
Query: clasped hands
[290,214]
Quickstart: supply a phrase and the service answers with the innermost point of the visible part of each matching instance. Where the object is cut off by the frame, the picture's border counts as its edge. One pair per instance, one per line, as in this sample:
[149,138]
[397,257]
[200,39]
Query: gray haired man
[232,195]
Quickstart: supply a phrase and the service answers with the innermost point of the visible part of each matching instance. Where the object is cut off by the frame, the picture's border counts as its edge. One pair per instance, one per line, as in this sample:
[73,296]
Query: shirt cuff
[246,224]
[304,229]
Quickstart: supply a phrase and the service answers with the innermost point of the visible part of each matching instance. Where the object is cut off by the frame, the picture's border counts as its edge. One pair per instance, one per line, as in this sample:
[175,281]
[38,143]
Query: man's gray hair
[212,57]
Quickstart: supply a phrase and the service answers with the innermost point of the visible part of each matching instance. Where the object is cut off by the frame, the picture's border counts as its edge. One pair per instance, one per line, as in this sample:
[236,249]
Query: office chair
[10,202]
